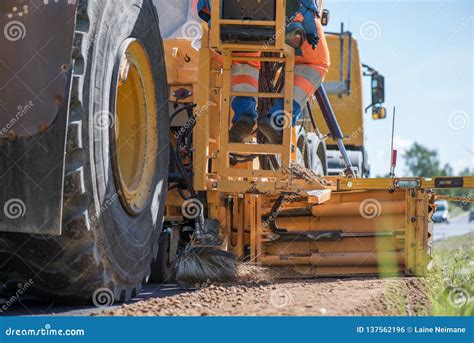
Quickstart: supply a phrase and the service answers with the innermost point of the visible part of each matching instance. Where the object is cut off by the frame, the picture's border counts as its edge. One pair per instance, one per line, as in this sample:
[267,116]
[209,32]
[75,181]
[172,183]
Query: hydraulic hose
[333,125]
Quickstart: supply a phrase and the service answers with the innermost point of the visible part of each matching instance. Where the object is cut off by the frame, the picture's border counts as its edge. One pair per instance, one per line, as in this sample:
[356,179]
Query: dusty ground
[363,296]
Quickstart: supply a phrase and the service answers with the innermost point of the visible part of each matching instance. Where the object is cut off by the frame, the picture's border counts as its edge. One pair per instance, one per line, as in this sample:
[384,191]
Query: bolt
[43,127]
[58,99]
[413,219]
[11,136]
[64,67]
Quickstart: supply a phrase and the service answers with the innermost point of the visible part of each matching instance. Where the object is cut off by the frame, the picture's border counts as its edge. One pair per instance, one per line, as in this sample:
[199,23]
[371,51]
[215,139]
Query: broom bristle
[198,268]
[252,274]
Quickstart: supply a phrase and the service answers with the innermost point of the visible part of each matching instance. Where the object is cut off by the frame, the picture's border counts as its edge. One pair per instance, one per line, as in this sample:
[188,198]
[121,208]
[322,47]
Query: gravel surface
[328,297]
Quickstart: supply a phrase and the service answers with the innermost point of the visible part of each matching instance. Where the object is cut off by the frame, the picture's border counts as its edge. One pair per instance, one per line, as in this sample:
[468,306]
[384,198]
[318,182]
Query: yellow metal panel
[215,18]
[359,245]
[391,183]
[262,149]
[349,109]
[224,115]
[202,128]
[182,62]
[288,107]
[247,22]
[347,224]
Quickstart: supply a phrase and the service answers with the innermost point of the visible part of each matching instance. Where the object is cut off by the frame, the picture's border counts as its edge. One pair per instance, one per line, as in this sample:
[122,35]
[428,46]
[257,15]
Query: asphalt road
[457,227]
[33,307]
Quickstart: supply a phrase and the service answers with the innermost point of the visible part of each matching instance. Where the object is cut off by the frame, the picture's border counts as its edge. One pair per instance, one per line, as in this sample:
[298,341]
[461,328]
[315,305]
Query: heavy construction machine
[344,85]
[88,157]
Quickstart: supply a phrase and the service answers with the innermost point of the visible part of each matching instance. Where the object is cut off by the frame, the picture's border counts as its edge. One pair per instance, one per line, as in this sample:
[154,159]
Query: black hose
[236,158]
[181,141]
[270,220]
[328,113]
[297,236]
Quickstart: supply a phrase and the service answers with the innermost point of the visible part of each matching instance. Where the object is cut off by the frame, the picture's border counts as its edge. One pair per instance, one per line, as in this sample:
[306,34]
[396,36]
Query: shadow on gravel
[34,306]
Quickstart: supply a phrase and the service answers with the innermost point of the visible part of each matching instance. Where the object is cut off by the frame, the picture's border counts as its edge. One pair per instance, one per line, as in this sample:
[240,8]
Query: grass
[450,282]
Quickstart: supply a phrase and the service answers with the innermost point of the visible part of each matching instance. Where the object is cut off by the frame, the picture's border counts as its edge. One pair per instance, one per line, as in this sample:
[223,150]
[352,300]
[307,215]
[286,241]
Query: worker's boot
[242,129]
[270,130]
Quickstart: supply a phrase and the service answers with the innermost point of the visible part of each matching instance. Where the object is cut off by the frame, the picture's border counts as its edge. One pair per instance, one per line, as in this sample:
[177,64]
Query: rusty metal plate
[35,83]
[35,54]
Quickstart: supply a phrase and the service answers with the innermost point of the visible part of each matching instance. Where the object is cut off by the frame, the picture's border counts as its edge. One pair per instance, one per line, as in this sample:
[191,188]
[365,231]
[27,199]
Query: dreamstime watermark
[204,284]
[104,120]
[461,28]
[370,208]
[459,120]
[106,204]
[69,2]
[370,30]
[192,208]
[14,31]
[281,120]
[280,298]
[271,42]
[271,218]
[357,133]
[192,121]
[463,202]
[459,297]
[103,31]
[47,331]
[103,297]
[22,110]
[22,288]
[192,30]
[14,209]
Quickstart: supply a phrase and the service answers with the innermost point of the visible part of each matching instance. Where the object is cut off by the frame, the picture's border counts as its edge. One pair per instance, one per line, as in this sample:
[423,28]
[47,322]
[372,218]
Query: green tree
[466,172]
[422,161]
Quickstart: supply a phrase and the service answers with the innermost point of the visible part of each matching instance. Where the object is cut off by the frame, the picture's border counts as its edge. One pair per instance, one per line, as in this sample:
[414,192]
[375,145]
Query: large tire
[102,245]
[308,153]
[162,271]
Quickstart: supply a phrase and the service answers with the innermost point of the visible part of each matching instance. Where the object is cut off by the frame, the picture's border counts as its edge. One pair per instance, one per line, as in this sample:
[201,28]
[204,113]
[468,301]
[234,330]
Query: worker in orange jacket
[312,65]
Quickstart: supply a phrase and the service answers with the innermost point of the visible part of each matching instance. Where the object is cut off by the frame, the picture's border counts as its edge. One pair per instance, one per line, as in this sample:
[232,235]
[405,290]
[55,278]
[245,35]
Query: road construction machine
[100,193]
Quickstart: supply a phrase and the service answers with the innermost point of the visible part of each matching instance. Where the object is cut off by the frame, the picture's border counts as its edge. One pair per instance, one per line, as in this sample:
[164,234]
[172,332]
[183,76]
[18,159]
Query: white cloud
[460,165]
[402,144]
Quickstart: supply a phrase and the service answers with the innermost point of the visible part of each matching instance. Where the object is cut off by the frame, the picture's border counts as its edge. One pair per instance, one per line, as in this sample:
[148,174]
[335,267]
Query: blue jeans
[248,106]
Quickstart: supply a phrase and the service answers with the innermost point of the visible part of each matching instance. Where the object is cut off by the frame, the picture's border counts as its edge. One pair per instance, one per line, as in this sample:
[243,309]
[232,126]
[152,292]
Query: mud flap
[35,83]
[32,178]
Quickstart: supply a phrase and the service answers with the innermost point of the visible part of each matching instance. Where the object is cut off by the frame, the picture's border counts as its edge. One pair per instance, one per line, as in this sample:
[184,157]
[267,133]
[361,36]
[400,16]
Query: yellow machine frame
[384,223]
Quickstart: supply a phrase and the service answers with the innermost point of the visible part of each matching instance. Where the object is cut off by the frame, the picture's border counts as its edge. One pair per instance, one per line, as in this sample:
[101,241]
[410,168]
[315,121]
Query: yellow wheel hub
[136,135]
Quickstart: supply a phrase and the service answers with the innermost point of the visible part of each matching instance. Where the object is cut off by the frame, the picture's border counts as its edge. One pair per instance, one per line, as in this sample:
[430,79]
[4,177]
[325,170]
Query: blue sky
[425,51]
